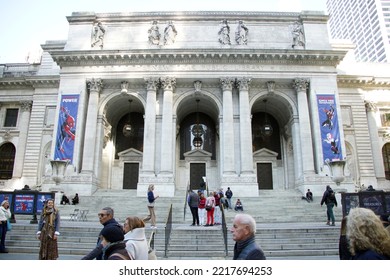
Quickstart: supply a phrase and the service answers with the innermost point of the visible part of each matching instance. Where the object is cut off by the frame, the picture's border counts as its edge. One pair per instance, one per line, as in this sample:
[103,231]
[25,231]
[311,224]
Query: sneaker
[327,223]
[333,224]
[153,227]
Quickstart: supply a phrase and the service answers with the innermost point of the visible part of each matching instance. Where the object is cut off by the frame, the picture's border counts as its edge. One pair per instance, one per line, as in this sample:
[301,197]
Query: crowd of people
[363,234]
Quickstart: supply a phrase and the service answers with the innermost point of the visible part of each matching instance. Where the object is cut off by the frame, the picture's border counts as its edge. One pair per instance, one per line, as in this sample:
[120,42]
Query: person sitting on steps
[239,206]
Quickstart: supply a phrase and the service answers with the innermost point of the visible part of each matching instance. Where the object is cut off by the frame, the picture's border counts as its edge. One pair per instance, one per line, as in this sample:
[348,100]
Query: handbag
[208,207]
[9,226]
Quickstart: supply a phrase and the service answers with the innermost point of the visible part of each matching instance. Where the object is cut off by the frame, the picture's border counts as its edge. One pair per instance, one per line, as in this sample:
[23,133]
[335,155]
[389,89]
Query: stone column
[168,84]
[150,127]
[306,140]
[373,118]
[245,127]
[23,125]
[227,127]
[94,86]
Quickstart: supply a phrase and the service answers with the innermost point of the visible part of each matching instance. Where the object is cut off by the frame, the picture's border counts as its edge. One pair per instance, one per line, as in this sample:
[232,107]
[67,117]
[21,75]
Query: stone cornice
[363,82]
[28,82]
[196,56]
[316,16]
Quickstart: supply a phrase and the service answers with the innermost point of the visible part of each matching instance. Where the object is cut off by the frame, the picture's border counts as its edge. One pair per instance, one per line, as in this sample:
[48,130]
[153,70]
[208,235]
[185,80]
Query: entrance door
[197,171]
[264,176]
[130,176]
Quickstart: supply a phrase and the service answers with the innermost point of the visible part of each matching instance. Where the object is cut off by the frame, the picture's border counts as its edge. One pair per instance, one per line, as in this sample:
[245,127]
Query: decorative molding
[194,56]
[152,83]
[95,84]
[168,83]
[227,83]
[243,83]
[26,105]
[301,84]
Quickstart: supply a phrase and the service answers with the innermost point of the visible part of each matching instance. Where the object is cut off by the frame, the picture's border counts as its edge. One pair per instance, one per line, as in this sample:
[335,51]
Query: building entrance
[197,171]
[264,176]
[130,176]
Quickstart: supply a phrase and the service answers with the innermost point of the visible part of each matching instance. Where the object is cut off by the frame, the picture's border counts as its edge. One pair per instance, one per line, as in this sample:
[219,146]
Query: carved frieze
[242,33]
[98,32]
[224,33]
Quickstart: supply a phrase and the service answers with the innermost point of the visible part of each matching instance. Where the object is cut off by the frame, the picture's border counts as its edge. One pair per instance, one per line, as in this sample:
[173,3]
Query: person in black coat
[106,218]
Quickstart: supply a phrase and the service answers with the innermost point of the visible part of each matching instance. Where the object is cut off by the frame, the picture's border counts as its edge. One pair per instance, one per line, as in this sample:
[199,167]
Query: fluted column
[150,127]
[168,84]
[24,121]
[306,140]
[373,119]
[228,126]
[94,86]
[245,127]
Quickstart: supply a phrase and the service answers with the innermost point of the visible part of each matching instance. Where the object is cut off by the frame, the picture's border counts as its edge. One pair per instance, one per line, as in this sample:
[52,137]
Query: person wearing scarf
[48,231]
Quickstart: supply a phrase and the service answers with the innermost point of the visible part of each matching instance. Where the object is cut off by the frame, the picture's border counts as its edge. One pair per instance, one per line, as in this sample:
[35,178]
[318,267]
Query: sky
[26,24]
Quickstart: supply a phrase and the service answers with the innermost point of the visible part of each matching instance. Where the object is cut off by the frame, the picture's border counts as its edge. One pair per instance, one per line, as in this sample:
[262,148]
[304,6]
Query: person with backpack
[229,195]
[329,198]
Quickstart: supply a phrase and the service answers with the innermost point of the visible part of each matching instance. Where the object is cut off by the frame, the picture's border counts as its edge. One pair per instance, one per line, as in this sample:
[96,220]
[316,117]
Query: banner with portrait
[329,125]
[66,131]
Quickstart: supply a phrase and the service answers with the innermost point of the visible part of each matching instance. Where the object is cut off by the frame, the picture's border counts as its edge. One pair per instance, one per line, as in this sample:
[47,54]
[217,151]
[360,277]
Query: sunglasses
[102,215]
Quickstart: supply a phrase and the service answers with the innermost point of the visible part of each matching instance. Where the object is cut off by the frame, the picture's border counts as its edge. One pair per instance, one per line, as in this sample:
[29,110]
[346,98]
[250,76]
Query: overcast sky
[26,24]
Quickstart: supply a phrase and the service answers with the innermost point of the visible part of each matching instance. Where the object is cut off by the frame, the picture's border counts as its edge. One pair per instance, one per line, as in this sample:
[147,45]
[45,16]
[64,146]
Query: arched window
[7,159]
[386,160]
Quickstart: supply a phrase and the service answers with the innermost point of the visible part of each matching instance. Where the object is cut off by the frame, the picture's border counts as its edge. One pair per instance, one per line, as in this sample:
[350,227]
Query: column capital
[301,84]
[227,83]
[26,105]
[95,84]
[168,83]
[243,83]
[370,106]
[152,83]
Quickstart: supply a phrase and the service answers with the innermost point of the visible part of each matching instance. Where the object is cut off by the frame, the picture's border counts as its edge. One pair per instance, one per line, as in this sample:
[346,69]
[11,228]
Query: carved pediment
[197,154]
[265,153]
[130,154]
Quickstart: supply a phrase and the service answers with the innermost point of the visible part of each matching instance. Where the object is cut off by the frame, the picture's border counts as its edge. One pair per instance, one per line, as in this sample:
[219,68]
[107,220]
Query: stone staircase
[288,227]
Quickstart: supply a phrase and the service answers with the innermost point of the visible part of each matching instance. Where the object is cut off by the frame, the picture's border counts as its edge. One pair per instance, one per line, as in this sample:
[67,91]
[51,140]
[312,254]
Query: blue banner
[66,132]
[329,125]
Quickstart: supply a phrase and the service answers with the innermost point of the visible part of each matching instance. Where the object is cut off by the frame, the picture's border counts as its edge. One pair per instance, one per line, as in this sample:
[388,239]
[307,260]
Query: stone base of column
[244,185]
[83,184]
[164,185]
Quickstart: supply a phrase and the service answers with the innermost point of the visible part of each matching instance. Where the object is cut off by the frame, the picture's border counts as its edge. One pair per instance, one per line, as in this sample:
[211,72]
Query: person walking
[193,202]
[368,238]
[48,231]
[229,195]
[5,215]
[151,200]
[329,198]
[243,232]
[135,238]
[114,248]
[106,218]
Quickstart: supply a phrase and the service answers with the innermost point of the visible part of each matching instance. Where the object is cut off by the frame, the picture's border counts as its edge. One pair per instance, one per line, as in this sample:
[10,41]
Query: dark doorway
[197,171]
[264,176]
[130,176]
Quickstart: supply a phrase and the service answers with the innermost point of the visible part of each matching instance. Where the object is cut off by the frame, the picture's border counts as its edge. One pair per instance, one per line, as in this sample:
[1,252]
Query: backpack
[331,197]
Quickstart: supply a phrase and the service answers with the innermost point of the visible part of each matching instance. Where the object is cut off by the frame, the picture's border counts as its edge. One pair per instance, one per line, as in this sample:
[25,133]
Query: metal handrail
[151,240]
[168,230]
[185,201]
[224,230]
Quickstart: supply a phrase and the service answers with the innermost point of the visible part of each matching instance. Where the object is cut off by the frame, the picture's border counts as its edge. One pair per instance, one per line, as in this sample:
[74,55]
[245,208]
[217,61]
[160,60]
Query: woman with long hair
[48,231]
[368,238]
[151,199]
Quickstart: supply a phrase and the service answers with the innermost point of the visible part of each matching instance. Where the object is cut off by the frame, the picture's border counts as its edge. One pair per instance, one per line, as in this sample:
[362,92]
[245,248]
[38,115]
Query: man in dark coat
[106,218]
[193,202]
[243,231]
[330,201]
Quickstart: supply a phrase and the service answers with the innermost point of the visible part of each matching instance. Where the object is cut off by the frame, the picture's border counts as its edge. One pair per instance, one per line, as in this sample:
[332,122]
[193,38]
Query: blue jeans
[3,232]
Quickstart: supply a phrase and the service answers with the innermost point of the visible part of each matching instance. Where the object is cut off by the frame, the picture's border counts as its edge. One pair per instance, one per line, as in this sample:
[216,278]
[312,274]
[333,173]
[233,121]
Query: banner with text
[66,131]
[329,125]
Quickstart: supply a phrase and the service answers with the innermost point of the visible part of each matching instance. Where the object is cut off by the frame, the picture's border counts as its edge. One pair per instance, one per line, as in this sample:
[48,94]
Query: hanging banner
[66,131]
[329,125]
